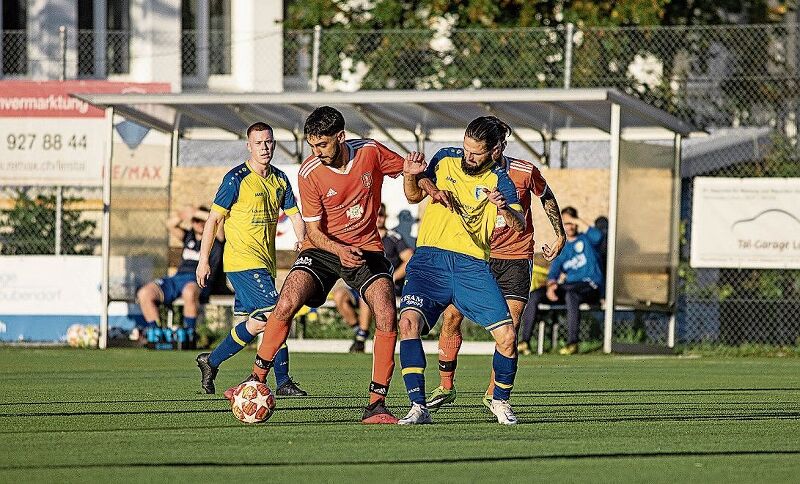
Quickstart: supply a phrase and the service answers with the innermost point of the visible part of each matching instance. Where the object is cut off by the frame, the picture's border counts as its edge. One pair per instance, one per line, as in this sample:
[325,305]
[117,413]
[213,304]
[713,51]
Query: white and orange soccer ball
[252,402]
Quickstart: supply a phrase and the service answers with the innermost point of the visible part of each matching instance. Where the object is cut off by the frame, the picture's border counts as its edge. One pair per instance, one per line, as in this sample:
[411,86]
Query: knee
[258,324]
[340,297]
[286,308]
[191,293]
[506,339]
[451,325]
[408,327]
[145,294]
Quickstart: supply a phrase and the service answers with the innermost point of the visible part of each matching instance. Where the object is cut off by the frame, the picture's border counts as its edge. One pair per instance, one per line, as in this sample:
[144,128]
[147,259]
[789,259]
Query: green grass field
[134,415]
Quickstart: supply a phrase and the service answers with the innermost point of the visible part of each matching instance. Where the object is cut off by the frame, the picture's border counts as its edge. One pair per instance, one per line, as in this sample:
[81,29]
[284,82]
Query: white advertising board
[52,150]
[50,285]
[746,223]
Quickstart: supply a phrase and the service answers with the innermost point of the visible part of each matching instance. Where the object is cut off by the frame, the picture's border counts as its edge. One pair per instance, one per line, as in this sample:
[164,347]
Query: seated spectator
[183,284]
[574,278]
[348,299]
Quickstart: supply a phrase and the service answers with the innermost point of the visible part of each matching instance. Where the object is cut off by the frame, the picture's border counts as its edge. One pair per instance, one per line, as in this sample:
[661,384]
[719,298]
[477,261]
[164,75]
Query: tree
[29,228]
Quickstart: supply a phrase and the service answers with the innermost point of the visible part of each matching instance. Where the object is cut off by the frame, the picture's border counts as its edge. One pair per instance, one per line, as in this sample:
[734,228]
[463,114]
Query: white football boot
[417,415]
[502,410]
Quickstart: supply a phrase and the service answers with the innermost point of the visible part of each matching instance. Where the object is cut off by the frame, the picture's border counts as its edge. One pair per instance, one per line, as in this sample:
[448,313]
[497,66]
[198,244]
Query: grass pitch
[134,415]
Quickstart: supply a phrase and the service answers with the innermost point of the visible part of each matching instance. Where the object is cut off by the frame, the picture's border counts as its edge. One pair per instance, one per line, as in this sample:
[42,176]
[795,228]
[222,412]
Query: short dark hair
[260,126]
[324,121]
[382,208]
[569,211]
[488,129]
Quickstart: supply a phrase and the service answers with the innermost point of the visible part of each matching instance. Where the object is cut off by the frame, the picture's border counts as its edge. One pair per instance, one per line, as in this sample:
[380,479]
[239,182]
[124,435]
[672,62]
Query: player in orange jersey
[340,190]
[510,263]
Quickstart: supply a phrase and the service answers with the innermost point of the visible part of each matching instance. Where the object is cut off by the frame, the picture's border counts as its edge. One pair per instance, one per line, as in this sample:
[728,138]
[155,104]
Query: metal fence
[50,220]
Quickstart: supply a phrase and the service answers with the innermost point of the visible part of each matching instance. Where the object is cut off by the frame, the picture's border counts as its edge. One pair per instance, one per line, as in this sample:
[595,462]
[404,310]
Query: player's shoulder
[237,174]
[308,166]
[517,164]
[278,172]
[449,152]
[359,143]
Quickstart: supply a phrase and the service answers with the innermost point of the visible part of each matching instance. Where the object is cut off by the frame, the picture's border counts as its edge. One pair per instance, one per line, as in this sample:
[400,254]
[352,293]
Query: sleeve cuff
[219,209]
[515,206]
[291,210]
[312,219]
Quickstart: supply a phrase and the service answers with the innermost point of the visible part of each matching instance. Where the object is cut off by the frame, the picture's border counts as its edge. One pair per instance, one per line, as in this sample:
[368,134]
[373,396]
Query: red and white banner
[48,137]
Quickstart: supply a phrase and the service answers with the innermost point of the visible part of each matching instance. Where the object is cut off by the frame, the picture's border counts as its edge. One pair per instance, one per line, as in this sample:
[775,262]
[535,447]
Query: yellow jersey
[251,205]
[468,228]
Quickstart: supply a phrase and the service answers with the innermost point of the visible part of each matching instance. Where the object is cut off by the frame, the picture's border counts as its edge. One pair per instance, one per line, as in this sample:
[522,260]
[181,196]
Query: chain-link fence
[50,220]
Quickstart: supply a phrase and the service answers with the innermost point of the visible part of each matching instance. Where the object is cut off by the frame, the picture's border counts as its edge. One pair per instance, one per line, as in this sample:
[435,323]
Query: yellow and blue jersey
[468,228]
[251,205]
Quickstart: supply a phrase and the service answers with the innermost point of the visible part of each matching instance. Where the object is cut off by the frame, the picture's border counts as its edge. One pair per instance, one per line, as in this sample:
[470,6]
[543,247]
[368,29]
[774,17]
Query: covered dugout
[644,146]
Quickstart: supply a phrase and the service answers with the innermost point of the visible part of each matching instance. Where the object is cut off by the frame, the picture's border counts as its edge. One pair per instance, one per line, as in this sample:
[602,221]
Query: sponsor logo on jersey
[479,195]
[355,212]
[579,246]
[366,180]
[331,193]
[303,261]
[450,179]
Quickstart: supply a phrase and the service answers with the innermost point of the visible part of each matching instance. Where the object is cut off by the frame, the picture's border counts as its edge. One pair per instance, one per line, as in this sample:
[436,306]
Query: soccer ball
[253,402]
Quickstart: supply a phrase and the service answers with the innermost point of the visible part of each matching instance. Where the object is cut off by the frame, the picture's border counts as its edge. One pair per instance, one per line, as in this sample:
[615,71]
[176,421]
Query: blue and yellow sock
[238,338]
[360,334]
[281,365]
[412,361]
[505,369]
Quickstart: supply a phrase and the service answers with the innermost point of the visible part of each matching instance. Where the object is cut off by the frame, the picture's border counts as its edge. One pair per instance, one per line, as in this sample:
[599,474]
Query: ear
[340,136]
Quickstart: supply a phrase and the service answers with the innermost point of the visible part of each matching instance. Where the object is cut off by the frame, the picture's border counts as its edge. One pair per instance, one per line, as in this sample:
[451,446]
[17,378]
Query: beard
[334,156]
[474,170]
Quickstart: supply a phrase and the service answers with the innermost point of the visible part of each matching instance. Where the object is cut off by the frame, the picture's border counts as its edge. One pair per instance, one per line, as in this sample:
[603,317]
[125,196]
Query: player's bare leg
[379,296]
[297,289]
[515,307]
[504,366]
[449,345]
[149,298]
[346,306]
[412,360]
[191,309]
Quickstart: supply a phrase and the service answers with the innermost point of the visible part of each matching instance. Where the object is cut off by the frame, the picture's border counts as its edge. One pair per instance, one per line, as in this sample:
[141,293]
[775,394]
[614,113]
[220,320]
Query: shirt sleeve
[389,162]
[430,170]
[289,203]
[506,187]
[594,235]
[227,194]
[555,267]
[311,199]
[538,183]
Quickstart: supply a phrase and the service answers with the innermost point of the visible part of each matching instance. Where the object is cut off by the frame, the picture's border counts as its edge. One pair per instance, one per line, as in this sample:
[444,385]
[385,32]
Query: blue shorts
[172,287]
[436,278]
[255,293]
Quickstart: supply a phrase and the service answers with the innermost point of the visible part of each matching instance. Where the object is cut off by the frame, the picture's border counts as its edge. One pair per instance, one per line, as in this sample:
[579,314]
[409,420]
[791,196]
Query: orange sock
[382,364]
[448,359]
[274,337]
[490,390]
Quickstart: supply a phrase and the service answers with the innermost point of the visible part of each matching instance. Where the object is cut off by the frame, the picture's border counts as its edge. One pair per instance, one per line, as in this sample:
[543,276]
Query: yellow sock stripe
[282,347]
[411,369]
[237,338]
[503,385]
[496,325]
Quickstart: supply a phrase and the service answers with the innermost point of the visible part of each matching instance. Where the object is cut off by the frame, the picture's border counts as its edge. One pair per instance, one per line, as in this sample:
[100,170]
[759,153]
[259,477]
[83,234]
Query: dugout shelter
[643,142]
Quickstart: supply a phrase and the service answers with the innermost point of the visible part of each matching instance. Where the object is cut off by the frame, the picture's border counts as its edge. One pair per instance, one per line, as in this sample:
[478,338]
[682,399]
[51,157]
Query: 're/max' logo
[303,261]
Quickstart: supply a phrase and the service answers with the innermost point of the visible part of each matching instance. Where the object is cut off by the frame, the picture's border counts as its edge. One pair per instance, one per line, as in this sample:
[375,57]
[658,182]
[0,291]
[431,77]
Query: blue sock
[151,332]
[412,361]
[505,369]
[281,365]
[360,334]
[238,338]
[188,326]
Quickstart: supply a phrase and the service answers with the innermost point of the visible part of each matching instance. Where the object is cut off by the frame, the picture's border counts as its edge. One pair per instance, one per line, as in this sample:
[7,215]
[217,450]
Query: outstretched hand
[414,163]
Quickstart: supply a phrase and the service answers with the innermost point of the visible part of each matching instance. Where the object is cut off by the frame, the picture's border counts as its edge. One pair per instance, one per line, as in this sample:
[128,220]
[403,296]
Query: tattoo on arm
[550,206]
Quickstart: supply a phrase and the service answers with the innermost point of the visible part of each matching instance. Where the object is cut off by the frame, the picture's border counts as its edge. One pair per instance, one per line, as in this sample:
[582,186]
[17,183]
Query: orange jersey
[346,202]
[507,244]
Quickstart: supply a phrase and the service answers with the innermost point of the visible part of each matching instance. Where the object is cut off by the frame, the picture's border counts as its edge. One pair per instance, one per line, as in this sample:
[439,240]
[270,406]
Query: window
[206,38]
[104,45]
[15,37]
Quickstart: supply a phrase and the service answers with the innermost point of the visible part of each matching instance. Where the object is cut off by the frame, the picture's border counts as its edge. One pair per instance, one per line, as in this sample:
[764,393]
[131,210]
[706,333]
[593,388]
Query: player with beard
[510,262]
[340,187]
[450,266]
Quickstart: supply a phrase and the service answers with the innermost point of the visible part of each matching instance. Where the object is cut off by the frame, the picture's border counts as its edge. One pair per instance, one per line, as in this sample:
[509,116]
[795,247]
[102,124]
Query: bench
[553,309]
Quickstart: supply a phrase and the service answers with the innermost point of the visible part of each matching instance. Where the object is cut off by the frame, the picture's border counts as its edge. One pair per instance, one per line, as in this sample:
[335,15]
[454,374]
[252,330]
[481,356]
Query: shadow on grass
[425,461]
